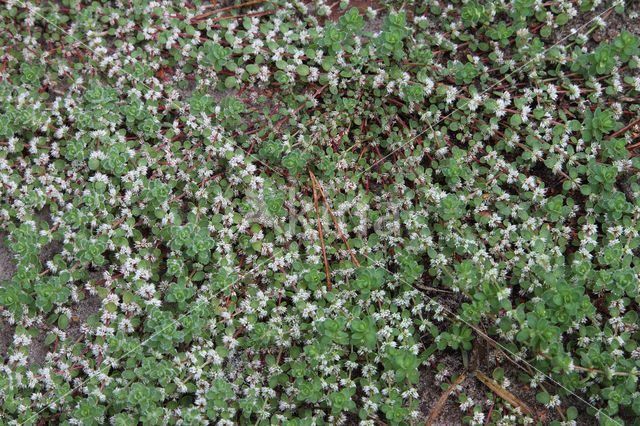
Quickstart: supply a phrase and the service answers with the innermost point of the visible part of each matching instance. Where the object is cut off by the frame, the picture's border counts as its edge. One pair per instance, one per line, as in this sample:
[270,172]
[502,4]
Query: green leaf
[562,19]
[230,82]
[303,70]
[63,321]
[128,297]
[543,398]
[50,339]
[498,374]
[327,63]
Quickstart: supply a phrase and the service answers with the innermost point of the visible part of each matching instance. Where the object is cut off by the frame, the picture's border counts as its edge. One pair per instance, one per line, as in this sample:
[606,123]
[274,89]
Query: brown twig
[335,222]
[324,252]
[224,9]
[505,394]
[117,222]
[428,288]
[245,15]
[624,129]
[635,145]
[443,399]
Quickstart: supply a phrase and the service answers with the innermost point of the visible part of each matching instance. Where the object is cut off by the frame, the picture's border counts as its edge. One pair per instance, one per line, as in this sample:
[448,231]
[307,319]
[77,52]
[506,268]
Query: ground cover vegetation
[290,212]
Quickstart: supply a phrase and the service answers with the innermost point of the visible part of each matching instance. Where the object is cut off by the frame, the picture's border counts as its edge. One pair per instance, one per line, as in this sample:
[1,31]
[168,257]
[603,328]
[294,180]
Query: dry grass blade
[429,288]
[224,9]
[245,15]
[505,394]
[324,252]
[335,222]
[443,398]
[624,129]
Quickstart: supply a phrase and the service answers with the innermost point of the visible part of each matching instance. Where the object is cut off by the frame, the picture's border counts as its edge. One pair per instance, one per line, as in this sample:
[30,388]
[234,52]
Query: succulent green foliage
[364,331]
[500,33]
[465,73]
[626,45]
[404,363]
[89,411]
[332,330]
[352,21]
[392,35]
[473,13]
[51,291]
[216,56]
[368,280]
[602,60]
[295,162]
[598,123]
